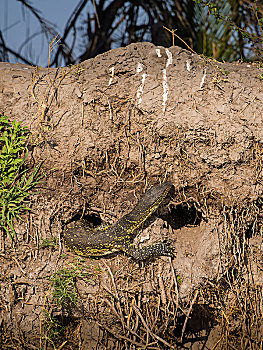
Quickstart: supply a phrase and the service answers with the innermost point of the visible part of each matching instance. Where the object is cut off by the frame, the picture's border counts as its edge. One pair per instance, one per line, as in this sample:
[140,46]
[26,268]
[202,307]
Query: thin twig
[116,294]
[178,37]
[153,335]
[175,284]
[116,313]
[118,336]
[188,314]
[161,284]
[62,345]
[20,267]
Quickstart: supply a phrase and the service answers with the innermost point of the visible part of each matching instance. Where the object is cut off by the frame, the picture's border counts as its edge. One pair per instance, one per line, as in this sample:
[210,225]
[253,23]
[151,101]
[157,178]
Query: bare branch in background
[3,49]
[46,26]
[227,30]
[63,48]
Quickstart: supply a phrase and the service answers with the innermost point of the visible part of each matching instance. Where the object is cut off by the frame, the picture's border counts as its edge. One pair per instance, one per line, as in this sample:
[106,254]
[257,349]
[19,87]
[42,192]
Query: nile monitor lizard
[119,236]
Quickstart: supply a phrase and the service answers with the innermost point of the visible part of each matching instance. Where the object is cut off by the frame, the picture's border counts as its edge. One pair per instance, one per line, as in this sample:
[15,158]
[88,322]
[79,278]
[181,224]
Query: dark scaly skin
[119,236]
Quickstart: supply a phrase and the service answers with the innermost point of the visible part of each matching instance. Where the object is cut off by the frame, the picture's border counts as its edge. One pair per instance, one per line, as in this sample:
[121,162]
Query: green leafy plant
[49,243]
[179,280]
[64,296]
[15,182]
[13,140]
[64,287]
[54,327]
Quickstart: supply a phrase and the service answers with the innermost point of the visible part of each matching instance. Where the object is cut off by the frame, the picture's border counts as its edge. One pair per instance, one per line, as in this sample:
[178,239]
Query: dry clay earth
[105,129]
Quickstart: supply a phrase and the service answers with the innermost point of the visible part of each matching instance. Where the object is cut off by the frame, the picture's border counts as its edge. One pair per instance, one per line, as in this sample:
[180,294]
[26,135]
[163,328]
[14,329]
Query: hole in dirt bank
[182,215]
[65,320]
[92,220]
[202,319]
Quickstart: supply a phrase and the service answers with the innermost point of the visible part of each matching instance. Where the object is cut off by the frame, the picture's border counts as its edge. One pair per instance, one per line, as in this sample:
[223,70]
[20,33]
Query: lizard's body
[119,236]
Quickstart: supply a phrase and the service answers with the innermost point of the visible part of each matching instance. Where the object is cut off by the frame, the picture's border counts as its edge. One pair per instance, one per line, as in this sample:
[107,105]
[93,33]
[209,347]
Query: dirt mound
[105,129]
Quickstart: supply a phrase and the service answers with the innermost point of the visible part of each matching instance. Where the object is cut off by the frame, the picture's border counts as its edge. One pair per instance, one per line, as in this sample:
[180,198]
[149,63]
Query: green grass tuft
[64,287]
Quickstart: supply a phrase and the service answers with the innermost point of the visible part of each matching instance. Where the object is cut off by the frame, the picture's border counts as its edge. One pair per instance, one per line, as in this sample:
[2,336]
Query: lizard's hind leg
[151,251]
